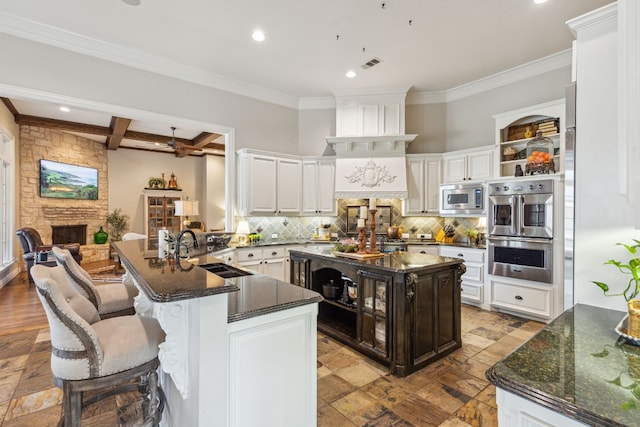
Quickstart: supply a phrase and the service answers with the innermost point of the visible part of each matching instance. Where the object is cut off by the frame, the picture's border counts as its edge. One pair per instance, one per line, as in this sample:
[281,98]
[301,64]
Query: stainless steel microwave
[462,199]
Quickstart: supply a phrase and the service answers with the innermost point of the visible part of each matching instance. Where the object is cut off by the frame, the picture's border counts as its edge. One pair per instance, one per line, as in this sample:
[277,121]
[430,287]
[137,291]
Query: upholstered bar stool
[89,354]
[110,299]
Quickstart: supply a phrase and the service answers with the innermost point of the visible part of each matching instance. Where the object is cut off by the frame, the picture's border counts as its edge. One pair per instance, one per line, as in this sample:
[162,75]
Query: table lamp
[243,231]
[185,208]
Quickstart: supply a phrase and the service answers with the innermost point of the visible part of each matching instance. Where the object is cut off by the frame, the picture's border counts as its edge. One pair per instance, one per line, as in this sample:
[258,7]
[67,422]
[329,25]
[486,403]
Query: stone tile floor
[352,390]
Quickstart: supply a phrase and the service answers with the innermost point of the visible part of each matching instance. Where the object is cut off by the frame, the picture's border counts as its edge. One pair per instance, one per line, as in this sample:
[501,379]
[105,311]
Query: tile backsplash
[303,227]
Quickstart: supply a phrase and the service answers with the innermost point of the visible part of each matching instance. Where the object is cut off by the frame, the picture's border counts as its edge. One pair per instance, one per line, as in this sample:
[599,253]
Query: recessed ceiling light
[132,2]
[157,144]
[539,1]
[65,109]
[351,74]
[258,35]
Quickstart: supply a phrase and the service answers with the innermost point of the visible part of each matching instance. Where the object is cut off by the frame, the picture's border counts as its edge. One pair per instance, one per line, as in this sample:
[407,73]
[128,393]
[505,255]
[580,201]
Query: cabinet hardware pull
[274,253]
[519,298]
[250,256]
[461,255]
[422,252]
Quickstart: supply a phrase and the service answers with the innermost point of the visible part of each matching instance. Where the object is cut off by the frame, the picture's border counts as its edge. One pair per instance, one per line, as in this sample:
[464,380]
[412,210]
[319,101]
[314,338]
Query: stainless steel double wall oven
[520,230]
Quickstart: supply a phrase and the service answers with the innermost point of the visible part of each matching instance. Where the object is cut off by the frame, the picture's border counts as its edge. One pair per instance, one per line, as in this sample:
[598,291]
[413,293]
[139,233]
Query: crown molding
[24,28]
[593,18]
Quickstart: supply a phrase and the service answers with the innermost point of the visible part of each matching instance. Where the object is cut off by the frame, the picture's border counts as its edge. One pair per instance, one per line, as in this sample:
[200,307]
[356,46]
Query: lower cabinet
[402,320]
[515,411]
[522,297]
[473,279]
[268,261]
[423,249]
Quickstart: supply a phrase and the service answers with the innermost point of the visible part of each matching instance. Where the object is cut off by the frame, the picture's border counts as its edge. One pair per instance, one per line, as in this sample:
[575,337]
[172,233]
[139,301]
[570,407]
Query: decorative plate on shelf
[621,330]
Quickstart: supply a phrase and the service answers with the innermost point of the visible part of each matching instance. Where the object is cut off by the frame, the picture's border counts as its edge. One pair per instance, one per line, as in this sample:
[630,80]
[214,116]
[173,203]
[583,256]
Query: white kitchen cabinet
[269,261]
[468,165]
[473,280]
[268,184]
[318,184]
[423,249]
[510,136]
[423,184]
[529,299]
[515,411]
[375,114]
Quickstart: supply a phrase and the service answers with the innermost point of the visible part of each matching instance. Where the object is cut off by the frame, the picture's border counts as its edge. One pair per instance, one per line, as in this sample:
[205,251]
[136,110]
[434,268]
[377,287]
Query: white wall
[314,126]
[603,216]
[468,120]
[428,122]
[129,173]
[213,202]
[257,124]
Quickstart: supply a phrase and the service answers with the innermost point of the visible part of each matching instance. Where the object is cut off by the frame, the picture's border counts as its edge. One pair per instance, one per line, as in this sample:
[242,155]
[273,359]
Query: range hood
[370,144]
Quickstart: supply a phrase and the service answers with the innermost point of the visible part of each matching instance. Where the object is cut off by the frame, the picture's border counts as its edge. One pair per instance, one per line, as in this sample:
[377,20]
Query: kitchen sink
[223,270]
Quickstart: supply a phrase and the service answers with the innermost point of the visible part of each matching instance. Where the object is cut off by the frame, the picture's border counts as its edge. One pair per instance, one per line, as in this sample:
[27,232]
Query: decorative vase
[100,237]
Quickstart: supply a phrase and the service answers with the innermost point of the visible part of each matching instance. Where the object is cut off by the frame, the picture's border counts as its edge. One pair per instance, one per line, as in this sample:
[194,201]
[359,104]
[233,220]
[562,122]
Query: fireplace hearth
[62,234]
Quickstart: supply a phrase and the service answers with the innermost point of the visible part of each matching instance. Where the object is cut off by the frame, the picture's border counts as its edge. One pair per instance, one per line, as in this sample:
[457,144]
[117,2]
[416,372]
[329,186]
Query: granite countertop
[166,280]
[277,242]
[397,262]
[578,366]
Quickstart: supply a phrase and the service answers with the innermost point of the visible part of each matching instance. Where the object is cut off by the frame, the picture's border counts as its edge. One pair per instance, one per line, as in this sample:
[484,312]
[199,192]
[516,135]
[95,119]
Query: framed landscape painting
[64,181]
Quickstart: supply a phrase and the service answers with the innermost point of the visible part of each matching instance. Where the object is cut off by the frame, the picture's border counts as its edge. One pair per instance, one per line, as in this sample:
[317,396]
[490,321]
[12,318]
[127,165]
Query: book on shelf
[545,126]
[549,133]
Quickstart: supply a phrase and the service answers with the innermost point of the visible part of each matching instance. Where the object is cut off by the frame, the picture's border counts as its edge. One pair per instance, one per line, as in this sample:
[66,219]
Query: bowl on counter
[330,290]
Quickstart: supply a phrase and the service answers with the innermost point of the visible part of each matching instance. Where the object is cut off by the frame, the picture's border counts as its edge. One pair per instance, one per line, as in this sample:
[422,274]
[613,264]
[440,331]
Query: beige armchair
[91,354]
[110,299]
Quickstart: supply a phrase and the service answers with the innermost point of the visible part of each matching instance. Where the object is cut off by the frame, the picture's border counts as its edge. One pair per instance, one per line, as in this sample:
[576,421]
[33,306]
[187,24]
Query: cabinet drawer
[523,298]
[249,255]
[271,253]
[423,249]
[473,255]
[471,292]
[475,272]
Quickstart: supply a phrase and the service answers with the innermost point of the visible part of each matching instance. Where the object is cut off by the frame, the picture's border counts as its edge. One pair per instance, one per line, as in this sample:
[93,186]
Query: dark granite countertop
[166,280]
[578,366]
[397,262]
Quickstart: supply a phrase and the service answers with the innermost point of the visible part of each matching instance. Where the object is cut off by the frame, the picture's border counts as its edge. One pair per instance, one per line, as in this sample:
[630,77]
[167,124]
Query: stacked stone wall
[40,212]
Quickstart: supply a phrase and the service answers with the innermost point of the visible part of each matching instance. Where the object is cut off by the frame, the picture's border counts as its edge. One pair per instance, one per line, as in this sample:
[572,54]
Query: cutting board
[358,256]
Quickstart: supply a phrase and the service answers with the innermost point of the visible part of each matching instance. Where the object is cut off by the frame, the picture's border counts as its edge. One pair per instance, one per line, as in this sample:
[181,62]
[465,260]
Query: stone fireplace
[62,234]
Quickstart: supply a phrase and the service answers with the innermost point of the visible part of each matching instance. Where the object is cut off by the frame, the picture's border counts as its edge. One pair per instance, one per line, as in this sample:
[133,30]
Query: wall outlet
[424,236]
[405,235]
[334,235]
[274,236]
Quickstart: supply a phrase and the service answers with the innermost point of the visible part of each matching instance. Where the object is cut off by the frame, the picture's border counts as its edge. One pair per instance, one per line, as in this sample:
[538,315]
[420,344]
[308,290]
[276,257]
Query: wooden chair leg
[72,406]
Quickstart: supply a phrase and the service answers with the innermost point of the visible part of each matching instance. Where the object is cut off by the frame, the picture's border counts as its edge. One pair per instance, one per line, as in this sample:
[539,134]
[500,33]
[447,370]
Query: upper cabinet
[376,113]
[268,184]
[514,129]
[468,165]
[423,184]
[318,183]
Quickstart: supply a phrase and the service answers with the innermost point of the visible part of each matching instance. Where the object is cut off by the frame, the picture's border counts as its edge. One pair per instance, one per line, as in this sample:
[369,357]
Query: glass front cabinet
[160,211]
[373,312]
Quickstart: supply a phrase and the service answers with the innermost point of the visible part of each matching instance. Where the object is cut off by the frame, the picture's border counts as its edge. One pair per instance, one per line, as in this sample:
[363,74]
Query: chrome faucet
[179,238]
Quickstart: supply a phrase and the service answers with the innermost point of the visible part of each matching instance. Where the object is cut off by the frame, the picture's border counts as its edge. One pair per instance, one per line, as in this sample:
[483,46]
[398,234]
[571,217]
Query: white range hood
[370,145]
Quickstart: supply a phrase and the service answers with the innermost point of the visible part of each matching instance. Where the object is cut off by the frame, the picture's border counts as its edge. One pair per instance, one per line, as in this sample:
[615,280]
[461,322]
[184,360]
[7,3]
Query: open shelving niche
[553,110]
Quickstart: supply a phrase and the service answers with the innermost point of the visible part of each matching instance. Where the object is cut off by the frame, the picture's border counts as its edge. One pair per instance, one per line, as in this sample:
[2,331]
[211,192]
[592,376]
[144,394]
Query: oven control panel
[521,187]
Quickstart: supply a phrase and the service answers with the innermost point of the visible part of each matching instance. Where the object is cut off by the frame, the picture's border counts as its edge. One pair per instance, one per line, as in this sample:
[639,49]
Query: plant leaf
[601,285]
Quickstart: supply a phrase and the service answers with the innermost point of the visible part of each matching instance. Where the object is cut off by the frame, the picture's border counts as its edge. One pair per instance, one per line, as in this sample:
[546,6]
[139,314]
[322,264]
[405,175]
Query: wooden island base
[406,313]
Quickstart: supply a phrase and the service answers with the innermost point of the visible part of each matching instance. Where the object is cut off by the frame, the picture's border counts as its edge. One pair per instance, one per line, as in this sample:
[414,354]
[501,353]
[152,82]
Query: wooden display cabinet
[160,211]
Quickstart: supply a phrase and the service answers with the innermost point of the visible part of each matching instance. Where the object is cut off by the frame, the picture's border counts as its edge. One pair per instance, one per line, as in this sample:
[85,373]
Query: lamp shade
[482,222]
[243,228]
[186,207]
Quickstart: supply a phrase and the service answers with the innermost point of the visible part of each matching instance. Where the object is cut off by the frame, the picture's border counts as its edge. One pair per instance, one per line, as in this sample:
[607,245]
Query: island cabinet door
[374,313]
[448,310]
[421,294]
[299,271]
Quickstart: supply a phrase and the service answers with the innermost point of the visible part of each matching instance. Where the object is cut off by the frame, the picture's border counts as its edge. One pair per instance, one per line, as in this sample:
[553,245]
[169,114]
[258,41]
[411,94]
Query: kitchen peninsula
[238,349]
[404,313]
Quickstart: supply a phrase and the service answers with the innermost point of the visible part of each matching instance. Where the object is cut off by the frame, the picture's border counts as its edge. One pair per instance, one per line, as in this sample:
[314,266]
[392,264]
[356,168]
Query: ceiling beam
[24,120]
[119,126]
[151,137]
[7,102]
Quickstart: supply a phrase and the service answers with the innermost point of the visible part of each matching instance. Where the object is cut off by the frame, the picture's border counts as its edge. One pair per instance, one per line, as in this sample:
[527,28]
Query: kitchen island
[402,309]
[238,350]
[576,371]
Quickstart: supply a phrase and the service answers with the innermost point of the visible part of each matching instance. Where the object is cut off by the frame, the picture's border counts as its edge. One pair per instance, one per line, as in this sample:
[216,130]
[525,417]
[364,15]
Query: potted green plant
[632,289]
[117,222]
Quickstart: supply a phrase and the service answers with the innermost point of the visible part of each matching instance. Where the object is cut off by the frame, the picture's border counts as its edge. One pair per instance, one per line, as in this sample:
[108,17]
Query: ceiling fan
[179,146]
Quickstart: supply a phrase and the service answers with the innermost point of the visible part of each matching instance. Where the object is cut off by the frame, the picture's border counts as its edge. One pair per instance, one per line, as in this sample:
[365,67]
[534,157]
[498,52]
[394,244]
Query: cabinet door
[325,187]
[373,313]
[480,165]
[299,271]
[415,202]
[423,320]
[274,268]
[261,186]
[448,300]
[433,175]
[289,183]
[310,187]
[455,168]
